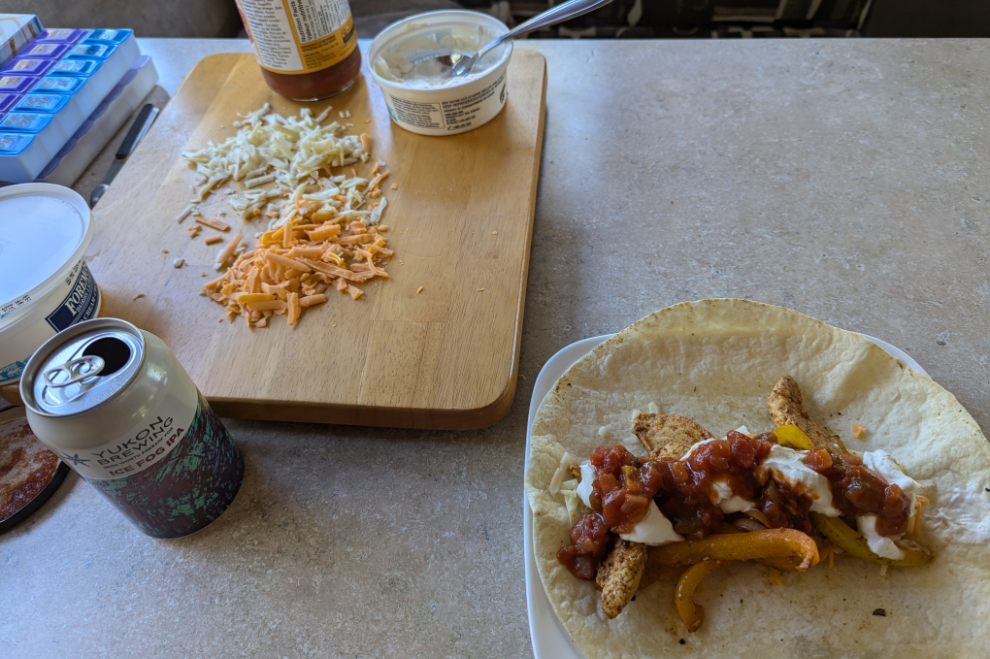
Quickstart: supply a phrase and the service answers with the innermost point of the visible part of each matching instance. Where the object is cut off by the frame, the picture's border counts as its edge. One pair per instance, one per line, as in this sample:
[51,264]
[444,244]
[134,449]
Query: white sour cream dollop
[727,500]
[654,529]
[879,545]
[785,465]
[586,486]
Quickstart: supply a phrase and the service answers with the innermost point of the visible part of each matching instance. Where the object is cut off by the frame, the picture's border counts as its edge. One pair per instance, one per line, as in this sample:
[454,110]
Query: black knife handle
[132,135]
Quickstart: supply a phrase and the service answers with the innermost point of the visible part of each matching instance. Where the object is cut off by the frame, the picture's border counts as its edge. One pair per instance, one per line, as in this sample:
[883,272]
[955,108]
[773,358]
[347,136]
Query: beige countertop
[846,179]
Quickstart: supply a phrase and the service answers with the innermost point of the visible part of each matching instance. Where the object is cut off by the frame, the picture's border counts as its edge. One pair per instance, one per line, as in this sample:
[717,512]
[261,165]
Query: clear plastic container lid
[44,231]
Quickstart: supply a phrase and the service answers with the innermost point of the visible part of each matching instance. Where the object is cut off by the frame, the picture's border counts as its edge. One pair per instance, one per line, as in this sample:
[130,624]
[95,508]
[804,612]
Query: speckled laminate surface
[845,179]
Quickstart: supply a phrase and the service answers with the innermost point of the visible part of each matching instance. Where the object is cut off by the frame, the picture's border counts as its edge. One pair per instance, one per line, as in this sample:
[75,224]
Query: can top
[44,232]
[82,367]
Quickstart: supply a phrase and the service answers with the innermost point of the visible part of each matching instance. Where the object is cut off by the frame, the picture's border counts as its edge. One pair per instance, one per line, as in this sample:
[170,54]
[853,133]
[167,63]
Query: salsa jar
[307,49]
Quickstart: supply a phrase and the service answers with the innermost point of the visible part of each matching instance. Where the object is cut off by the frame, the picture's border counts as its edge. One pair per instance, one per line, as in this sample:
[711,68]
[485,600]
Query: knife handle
[134,133]
[97,194]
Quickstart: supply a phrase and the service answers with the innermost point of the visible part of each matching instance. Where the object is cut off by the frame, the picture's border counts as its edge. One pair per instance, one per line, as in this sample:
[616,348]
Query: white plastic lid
[44,231]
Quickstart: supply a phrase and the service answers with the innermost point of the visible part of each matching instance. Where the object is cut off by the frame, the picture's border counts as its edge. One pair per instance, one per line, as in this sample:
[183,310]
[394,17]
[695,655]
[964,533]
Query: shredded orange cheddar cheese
[292,266]
[213,224]
[857,430]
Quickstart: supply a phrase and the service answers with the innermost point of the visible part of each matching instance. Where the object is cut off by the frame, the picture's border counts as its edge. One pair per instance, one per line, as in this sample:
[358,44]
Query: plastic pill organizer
[49,90]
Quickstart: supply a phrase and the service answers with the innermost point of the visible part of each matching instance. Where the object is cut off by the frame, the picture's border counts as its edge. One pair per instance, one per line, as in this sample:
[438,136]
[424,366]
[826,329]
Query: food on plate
[738,482]
[680,503]
[324,230]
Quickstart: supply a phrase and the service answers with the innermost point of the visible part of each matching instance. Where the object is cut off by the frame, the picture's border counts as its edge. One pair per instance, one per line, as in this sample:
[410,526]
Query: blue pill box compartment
[115,37]
[8,101]
[65,111]
[50,89]
[43,127]
[62,35]
[17,84]
[21,157]
[43,50]
[83,93]
[27,66]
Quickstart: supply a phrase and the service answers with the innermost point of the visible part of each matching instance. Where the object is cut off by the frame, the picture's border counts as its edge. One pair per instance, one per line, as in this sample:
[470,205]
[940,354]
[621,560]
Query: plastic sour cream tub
[401,60]
[45,285]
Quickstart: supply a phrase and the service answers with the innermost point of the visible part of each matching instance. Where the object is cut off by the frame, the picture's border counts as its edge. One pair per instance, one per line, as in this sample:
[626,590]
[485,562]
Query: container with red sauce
[307,49]
[29,472]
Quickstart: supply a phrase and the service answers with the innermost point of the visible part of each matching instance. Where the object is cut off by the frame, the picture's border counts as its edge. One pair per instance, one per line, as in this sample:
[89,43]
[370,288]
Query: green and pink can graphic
[115,404]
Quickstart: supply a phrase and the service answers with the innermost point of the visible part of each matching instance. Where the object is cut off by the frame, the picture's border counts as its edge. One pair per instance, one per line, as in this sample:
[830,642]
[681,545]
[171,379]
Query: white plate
[550,639]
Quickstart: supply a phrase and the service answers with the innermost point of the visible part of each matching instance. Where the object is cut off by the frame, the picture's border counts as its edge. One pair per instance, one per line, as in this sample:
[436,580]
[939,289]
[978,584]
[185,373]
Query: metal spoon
[462,63]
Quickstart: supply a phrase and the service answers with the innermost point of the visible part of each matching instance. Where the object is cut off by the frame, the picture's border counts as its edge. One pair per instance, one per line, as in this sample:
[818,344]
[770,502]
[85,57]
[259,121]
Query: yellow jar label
[299,36]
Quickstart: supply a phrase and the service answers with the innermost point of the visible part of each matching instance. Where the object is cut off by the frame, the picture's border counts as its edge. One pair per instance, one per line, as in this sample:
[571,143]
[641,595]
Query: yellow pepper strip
[793,437]
[782,564]
[852,542]
[772,543]
[692,614]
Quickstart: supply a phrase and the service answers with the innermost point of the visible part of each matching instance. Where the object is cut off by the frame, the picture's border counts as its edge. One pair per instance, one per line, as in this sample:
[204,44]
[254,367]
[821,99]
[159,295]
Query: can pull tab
[76,371]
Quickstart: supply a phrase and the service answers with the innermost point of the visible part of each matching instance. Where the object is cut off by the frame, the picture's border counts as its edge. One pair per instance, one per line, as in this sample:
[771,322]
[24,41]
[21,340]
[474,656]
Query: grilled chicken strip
[786,406]
[668,435]
[619,575]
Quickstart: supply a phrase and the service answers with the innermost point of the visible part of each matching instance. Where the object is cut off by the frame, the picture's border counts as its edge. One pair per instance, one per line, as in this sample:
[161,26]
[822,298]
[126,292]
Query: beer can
[115,404]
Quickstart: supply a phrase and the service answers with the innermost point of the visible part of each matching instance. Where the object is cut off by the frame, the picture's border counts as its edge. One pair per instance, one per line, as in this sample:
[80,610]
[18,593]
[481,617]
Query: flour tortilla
[716,361]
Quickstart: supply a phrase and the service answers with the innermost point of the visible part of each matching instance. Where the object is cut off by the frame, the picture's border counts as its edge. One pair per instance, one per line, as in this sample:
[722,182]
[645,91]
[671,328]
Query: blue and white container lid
[44,230]
[44,282]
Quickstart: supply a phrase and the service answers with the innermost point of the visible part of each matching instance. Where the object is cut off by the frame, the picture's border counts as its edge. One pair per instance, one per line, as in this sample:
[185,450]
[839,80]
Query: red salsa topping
[683,489]
[687,485]
[589,538]
[858,490]
[625,486]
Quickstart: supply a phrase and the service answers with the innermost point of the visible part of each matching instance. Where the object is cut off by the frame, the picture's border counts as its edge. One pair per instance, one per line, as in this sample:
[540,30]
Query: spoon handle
[552,16]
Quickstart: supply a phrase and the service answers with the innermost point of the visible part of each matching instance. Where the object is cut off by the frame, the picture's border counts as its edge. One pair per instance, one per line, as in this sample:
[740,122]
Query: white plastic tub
[452,106]
[45,285]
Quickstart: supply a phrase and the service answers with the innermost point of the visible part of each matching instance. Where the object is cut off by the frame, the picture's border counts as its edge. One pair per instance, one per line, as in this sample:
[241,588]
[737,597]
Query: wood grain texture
[461,220]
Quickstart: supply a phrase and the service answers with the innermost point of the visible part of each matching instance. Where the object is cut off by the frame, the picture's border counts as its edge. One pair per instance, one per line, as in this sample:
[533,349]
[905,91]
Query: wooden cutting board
[460,224]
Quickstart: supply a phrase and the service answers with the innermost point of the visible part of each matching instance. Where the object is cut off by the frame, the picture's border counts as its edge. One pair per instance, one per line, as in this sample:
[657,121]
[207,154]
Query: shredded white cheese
[294,153]
[563,471]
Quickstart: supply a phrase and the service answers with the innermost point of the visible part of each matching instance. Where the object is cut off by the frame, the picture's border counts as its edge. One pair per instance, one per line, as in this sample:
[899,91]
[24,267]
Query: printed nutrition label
[421,115]
[447,115]
[298,36]
[316,19]
[272,34]
[460,113]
